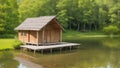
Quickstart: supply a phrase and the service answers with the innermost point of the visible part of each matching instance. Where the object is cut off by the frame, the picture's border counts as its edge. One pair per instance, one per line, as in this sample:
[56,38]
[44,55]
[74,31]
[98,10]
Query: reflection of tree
[98,59]
[111,42]
[7,61]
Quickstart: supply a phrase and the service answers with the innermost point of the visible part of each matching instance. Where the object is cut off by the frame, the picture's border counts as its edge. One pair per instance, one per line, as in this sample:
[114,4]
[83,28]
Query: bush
[17,44]
[111,29]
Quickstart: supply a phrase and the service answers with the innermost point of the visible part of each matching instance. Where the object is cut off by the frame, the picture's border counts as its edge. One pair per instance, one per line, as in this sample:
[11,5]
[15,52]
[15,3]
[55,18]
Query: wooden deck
[61,45]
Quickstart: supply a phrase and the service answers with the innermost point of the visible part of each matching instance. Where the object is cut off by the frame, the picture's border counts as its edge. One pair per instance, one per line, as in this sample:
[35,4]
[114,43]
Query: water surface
[93,53]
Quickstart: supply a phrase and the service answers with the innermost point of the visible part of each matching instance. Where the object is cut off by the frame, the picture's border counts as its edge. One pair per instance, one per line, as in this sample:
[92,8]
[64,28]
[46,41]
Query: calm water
[93,53]
[7,60]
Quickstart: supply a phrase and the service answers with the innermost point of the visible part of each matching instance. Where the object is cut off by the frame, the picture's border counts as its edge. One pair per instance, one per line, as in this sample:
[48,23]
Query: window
[23,33]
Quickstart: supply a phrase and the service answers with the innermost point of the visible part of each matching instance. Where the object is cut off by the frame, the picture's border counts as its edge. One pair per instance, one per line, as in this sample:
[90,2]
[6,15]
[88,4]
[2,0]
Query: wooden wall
[22,37]
[51,34]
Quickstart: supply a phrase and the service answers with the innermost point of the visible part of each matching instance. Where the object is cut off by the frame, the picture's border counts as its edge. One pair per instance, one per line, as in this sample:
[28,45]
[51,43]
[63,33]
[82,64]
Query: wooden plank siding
[51,33]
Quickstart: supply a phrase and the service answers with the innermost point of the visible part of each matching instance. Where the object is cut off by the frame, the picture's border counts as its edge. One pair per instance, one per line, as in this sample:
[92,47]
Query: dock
[52,46]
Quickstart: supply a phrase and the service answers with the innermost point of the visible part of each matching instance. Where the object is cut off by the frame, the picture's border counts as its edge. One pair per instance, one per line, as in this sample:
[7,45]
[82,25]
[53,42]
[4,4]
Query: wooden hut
[40,30]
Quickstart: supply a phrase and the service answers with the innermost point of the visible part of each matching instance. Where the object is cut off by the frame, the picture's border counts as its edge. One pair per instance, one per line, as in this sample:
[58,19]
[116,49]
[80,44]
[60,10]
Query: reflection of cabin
[44,29]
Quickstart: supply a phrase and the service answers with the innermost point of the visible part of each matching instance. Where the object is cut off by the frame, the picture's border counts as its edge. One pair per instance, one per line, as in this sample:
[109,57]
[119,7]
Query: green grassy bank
[68,35]
[6,43]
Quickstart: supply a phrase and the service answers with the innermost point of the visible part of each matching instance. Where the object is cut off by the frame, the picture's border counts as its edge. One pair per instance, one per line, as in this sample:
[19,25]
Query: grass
[68,35]
[6,44]
[65,59]
[75,35]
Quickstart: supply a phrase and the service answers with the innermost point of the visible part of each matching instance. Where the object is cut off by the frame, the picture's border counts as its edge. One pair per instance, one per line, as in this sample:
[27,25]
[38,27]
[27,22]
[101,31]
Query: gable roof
[35,23]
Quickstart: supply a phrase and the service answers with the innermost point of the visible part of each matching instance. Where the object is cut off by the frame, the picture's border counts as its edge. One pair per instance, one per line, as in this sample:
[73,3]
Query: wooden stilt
[78,47]
[60,50]
[70,48]
[51,50]
[34,51]
[42,51]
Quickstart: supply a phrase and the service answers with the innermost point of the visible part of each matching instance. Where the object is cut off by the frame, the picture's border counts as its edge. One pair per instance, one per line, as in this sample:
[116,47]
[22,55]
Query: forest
[80,15]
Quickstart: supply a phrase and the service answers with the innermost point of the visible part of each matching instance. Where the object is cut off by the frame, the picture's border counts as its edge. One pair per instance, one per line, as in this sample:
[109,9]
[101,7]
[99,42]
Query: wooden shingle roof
[35,23]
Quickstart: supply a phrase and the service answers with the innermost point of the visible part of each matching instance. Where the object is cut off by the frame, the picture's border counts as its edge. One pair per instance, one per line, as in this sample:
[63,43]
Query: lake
[92,53]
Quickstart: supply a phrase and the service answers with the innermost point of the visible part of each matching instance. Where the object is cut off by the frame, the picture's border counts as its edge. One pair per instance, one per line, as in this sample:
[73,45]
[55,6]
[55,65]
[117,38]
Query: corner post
[37,38]
[61,35]
[43,36]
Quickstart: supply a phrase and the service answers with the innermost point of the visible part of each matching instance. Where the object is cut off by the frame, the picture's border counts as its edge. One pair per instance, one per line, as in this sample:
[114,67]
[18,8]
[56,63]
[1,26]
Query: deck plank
[49,46]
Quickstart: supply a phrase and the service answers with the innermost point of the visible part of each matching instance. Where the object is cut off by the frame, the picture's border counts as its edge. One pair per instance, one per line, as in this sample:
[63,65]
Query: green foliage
[111,29]
[63,18]
[81,15]
[17,44]
[8,15]
[74,14]
[114,14]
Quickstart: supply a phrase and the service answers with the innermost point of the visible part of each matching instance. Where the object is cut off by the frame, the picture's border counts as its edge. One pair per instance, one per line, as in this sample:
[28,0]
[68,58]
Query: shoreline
[101,36]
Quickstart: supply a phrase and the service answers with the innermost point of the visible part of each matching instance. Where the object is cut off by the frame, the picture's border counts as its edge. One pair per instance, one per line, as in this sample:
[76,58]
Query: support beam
[43,36]
[42,51]
[70,48]
[60,50]
[34,51]
[51,50]
[37,38]
[28,36]
[61,35]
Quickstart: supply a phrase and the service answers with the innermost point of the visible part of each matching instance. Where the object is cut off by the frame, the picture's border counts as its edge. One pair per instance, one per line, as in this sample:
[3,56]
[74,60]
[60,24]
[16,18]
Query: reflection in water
[102,53]
[97,59]
[22,66]
[108,66]
[7,61]
[111,42]
[93,53]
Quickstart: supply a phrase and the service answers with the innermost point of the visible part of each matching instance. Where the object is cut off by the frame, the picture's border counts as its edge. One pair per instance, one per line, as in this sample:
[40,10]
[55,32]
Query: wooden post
[61,35]
[34,51]
[37,38]
[28,36]
[60,50]
[70,48]
[42,51]
[43,36]
[51,50]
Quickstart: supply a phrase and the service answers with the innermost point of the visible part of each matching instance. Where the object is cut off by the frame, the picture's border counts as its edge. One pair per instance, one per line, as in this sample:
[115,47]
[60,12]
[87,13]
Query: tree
[74,14]
[111,29]
[114,13]
[3,6]
[63,18]
[32,9]
[8,15]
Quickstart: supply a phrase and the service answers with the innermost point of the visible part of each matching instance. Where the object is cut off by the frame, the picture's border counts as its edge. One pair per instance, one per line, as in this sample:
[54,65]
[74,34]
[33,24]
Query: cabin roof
[36,23]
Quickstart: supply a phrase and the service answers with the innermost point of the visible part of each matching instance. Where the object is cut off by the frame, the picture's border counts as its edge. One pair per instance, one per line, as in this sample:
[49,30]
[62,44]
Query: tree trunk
[84,27]
[78,27]
[70,25]
[95,26]
[90,27]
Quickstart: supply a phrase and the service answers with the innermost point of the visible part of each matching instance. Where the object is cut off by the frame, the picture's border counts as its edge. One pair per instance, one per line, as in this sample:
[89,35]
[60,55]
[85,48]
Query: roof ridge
[41,16]
[39,22]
